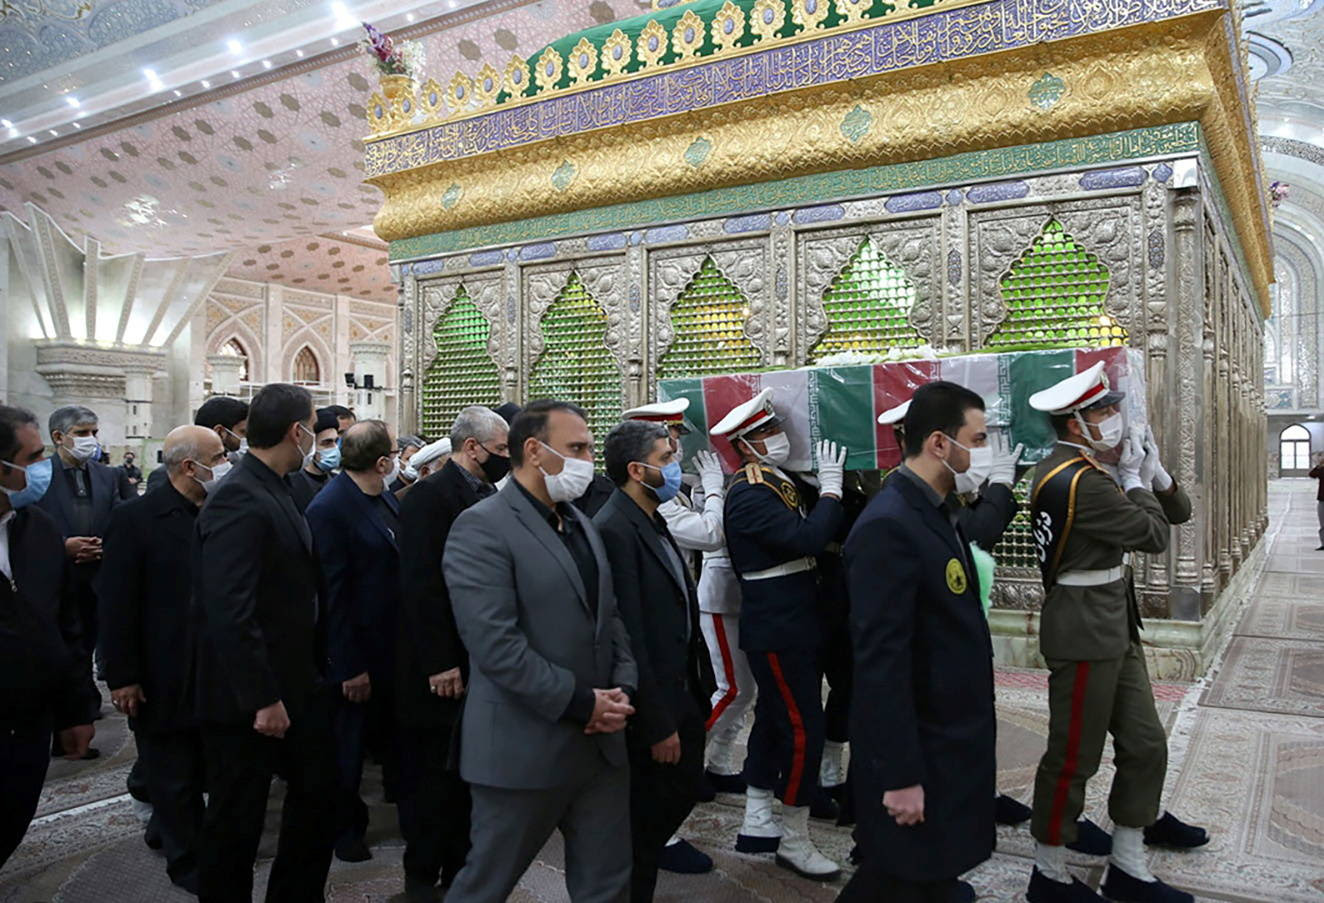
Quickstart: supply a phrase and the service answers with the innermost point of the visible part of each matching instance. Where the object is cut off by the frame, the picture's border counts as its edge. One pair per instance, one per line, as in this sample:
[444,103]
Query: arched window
[306,370]
[234,349]
[1294,451]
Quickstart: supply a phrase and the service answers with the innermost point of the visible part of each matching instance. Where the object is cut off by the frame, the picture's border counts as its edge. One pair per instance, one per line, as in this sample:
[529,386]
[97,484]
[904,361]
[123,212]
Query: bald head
[191,443]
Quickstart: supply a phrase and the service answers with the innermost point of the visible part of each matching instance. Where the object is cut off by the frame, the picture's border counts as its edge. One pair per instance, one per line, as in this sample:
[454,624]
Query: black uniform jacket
[255,584]
[429,642]
[305,486]
[144,594]
[661,614]
[922,710]
[44,677]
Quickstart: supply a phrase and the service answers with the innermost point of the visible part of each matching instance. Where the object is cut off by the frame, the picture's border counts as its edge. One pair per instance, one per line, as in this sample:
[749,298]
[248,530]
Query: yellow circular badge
[956,580]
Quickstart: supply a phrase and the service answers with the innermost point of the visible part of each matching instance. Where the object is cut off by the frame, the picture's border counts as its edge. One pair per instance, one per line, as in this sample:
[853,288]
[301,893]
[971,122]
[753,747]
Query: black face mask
[495,467]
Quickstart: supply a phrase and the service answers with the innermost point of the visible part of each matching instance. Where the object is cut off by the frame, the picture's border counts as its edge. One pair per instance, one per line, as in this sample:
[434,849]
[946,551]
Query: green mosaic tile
[575,364]
[709,323]
[1055,297]
[867,306]
[462,373]
[1016,547]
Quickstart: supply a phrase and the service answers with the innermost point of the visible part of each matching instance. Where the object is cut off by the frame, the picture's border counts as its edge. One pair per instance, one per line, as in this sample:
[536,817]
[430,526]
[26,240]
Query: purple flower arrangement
[390,58]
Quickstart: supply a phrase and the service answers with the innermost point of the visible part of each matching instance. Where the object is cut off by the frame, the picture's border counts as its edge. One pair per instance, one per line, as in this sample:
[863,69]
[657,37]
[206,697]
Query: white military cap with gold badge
[747,416]
[668,413]
[1079,392]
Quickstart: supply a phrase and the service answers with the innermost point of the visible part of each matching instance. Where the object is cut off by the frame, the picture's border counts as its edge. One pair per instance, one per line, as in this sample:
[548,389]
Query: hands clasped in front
[611,708]
[905,805]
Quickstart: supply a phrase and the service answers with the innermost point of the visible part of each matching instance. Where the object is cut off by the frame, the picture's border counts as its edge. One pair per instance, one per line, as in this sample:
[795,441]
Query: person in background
[1317,473]
[261,698]
[131,472]
[81,496]
[508,411]
[923,725]
[355,523]
[658,603]
[144,588]
[345,418]
[407,447]
[310,479]
[772,544]
[429,459]
[433,667]
[551,673]
[44,671]
[228,418]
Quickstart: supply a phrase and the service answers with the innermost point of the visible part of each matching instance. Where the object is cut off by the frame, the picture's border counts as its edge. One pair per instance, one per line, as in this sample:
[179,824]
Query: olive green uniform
[1090,638]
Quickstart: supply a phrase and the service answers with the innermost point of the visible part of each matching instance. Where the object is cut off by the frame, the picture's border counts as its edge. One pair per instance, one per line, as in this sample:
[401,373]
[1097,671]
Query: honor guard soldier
[1086,517]
[772,544]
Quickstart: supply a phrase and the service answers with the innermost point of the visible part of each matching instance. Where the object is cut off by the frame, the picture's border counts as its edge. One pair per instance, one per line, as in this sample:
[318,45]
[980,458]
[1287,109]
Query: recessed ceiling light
[179,93]
[71,101]
[266,64]
[409,17]
[335,42]
[153,79]
[77,125]
[206,84]
[54,134]
[234,46]
[13,132]
[299,54]
[343,18]
[31,140]
[6,123]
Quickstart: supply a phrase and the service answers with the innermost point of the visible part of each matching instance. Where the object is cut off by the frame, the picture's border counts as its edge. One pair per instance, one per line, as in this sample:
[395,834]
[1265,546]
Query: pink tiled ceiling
[263,167]
[319,263]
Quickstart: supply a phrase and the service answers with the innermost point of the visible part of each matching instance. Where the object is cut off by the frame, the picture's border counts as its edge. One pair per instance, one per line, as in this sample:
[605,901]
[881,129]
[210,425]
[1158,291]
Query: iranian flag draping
[842,404]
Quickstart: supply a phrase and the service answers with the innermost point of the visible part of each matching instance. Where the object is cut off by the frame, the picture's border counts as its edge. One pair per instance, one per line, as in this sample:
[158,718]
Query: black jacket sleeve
[425,604]
[987,519]
[120,593]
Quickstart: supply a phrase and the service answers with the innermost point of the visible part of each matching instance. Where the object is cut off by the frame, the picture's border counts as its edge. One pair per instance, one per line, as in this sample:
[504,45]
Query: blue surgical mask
[670,481]
[39,480]
[328,459]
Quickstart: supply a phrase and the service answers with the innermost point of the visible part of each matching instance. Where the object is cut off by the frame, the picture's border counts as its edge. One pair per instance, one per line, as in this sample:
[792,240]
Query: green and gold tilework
[1054,296]
[867,307]
[575,364]
[462,373]
[708,319]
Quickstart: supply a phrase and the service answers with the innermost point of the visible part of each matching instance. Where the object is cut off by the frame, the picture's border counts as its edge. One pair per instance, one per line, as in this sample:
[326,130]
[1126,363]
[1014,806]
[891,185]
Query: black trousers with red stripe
[786,742]
[1086,701]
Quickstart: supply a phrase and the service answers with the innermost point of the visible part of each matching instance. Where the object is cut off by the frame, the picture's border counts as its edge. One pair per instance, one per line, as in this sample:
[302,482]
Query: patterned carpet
[1247,760]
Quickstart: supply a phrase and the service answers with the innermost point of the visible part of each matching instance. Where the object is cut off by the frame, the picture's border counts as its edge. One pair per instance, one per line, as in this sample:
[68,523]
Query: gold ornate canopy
[803,90]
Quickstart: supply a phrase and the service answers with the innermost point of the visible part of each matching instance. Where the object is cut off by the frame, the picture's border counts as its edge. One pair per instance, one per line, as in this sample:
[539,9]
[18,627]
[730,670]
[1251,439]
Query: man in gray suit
[551,672]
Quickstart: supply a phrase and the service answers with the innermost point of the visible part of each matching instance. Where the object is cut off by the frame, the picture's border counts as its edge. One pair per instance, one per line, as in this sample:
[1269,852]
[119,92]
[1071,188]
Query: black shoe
[1170,831]
[823,806]
[1122,888]
[152,836]
[838,792]
[1010,811]
[188,881]
[421,890]
[726,783]
[352,849]
[705,793]
[1091,839]
[682,858]
[1046,890]
[961,892]
[92,753]
[749,843]
[856,855]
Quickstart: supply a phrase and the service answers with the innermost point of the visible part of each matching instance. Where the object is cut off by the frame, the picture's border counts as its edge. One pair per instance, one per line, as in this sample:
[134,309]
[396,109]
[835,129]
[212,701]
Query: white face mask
[243,446]
[85,447]
[1111,430]
[777,449]
[312,446]
[217,473]
[572,481]
[392,473]
[981,462]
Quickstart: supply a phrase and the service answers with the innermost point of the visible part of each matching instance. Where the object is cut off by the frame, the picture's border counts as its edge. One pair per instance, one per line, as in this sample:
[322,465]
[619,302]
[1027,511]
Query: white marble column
[138,402]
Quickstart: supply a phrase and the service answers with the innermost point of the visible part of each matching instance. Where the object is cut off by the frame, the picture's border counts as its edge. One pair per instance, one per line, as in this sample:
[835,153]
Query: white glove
[831,468]
[709,468]
[1162,480]
[1005,459]
[1131,461]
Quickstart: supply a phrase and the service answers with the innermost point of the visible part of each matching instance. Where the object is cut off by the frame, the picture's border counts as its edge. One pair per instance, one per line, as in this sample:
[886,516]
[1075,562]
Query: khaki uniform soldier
[1087,517]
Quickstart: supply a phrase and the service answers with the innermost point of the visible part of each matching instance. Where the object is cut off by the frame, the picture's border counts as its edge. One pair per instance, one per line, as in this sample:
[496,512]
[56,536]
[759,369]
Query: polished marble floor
[1247,760]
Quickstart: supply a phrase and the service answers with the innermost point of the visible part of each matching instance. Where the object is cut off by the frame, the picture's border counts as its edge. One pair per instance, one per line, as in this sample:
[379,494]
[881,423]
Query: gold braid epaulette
[761,475]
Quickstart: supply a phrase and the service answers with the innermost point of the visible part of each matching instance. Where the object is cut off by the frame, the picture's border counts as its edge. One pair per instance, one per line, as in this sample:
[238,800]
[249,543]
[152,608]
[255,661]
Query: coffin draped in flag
[842,403]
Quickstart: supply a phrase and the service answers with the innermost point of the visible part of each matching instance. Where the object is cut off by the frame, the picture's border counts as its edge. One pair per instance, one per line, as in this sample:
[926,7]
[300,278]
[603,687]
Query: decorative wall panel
[462,371]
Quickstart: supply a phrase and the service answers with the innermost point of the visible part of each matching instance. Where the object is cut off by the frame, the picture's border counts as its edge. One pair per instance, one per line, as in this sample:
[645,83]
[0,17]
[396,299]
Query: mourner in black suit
[432,665]
[45,677]
[228,419]
[923,725]
[658,602]
[316,472]
[261,696]
[355,523]
[81,496]
[145,590]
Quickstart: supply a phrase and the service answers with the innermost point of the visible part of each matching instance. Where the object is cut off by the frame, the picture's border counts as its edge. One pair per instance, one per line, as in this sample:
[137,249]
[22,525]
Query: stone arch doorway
[1294,451]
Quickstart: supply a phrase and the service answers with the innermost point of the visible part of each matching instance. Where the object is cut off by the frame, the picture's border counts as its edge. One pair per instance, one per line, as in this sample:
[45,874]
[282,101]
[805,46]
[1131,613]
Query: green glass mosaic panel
[462,373]
[575,364]
[709,324]
[1054,296]
[867,306]
[1016,548]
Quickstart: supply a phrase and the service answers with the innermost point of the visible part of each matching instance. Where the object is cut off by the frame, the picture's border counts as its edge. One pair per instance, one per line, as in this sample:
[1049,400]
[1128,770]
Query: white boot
[797,851]
[830,772]
[761,832]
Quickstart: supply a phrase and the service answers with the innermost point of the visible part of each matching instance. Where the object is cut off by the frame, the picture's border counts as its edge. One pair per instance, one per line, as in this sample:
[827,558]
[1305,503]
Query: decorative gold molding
[1140,76]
